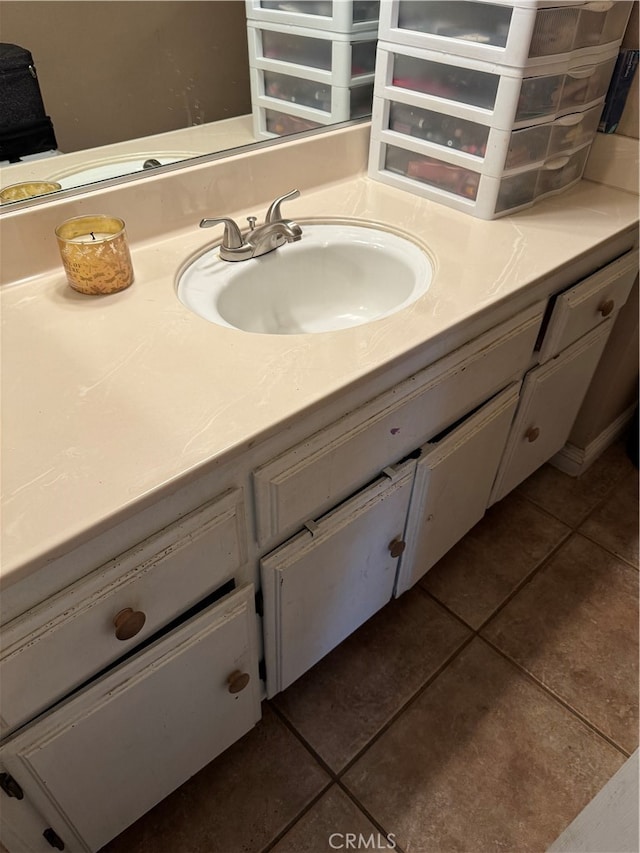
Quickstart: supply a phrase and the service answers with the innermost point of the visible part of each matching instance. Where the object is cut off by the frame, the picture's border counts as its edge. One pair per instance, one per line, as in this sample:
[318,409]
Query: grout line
[545,511]
[366,813]
[443,606]
[608,550]
[315,755]
[527,579]
[297,818]
[406,706]
[557,698]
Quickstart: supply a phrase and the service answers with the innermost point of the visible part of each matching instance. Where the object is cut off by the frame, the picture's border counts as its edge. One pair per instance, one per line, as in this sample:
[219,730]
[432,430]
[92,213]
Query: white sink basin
[101,170]
[338,275]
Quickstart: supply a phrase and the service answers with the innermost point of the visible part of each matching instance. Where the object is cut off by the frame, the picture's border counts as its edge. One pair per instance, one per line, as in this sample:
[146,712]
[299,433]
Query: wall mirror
[133,83]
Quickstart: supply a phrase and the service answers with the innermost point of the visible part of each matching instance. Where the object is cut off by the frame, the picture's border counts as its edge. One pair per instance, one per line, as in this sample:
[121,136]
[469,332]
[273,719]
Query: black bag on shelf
[24,126]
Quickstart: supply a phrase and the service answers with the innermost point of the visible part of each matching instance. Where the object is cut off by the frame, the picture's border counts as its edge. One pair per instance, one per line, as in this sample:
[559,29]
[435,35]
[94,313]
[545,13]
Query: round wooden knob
[128,623]
[237,681]
[532,433]
[606,307]
[397,547]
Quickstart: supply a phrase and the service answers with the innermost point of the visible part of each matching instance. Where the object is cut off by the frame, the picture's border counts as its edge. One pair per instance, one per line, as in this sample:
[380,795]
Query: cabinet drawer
[308,479]
[72,636]
[582,307]
[549,403]
[454,476]
[105,757]
[322,585]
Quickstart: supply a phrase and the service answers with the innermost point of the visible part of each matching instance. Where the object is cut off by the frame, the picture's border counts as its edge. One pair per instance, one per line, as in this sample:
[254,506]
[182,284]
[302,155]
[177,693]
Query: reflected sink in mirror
[101,170]
[342,273]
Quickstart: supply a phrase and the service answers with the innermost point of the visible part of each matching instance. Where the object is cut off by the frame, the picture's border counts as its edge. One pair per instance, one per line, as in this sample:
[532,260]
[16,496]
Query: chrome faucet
[259,240]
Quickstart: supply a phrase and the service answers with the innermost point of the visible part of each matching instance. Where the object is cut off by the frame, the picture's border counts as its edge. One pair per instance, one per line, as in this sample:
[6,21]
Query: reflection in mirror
[128,85]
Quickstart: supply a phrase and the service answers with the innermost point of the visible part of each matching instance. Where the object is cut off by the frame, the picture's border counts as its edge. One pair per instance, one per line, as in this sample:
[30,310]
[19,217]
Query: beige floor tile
[575,628]
[238,803]
[571,499]
[340,704]
[483,569]
[331,824]
[615,524]
[483,760]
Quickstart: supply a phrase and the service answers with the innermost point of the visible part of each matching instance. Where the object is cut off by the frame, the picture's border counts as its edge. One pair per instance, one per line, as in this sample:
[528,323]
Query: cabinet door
[105,757]
[551,398]
[453,481]
[326,581]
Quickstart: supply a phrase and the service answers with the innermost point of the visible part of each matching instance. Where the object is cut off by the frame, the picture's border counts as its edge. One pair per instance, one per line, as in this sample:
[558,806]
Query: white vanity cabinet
[578,325]
[123,681]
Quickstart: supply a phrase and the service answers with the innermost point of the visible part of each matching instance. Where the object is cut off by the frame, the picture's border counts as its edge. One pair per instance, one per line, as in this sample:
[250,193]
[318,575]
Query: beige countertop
[107,400]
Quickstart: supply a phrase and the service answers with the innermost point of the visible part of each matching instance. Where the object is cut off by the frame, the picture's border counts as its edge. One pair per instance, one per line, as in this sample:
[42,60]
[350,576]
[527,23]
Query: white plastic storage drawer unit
[320,102]
[509,32]
[466,189]
[338,59]
[493,95]
[338,16]
[479,146]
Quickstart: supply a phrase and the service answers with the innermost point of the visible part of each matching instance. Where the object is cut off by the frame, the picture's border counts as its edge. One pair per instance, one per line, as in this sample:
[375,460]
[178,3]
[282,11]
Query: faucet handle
[232,238]
[273,214]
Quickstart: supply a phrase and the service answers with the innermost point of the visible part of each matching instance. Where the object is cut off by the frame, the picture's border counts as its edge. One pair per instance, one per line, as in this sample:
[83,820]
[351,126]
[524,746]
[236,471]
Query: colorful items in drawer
[296,90]
[509,96]
[465,85]
[437,173]
[282,124]
[439,129]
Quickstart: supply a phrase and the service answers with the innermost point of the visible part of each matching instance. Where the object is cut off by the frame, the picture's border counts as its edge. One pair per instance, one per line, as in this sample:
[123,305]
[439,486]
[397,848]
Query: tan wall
[112,70]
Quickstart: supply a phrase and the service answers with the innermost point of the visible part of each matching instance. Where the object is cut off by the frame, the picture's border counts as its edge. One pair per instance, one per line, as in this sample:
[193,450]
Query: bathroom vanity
[196,515]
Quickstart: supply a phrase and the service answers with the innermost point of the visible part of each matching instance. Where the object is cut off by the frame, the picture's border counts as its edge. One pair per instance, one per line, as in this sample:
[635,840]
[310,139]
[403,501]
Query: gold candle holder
[95,254]
[28,189]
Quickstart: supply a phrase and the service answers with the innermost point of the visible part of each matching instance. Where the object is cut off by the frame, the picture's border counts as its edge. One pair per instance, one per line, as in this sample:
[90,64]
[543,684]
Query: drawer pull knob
[237,681]
[607,307]
[397,547]
[128,623]
[532,433]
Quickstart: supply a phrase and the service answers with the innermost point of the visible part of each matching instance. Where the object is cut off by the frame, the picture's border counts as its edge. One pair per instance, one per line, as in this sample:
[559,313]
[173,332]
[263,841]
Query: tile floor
[479,712]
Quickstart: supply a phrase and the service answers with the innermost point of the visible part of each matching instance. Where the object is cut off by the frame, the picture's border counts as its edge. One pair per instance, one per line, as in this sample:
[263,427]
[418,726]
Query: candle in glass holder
[95,254]
[28,189]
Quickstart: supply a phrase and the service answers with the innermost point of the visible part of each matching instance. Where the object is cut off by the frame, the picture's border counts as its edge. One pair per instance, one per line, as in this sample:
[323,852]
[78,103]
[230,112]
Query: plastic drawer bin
[496,96]
[335,58]
[519,33]
[478,146]
[467,189]
[308,98]
[269,123]
[338,16]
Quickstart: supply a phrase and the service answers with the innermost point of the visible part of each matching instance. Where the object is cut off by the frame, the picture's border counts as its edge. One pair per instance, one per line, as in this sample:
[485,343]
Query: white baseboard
[573,460]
